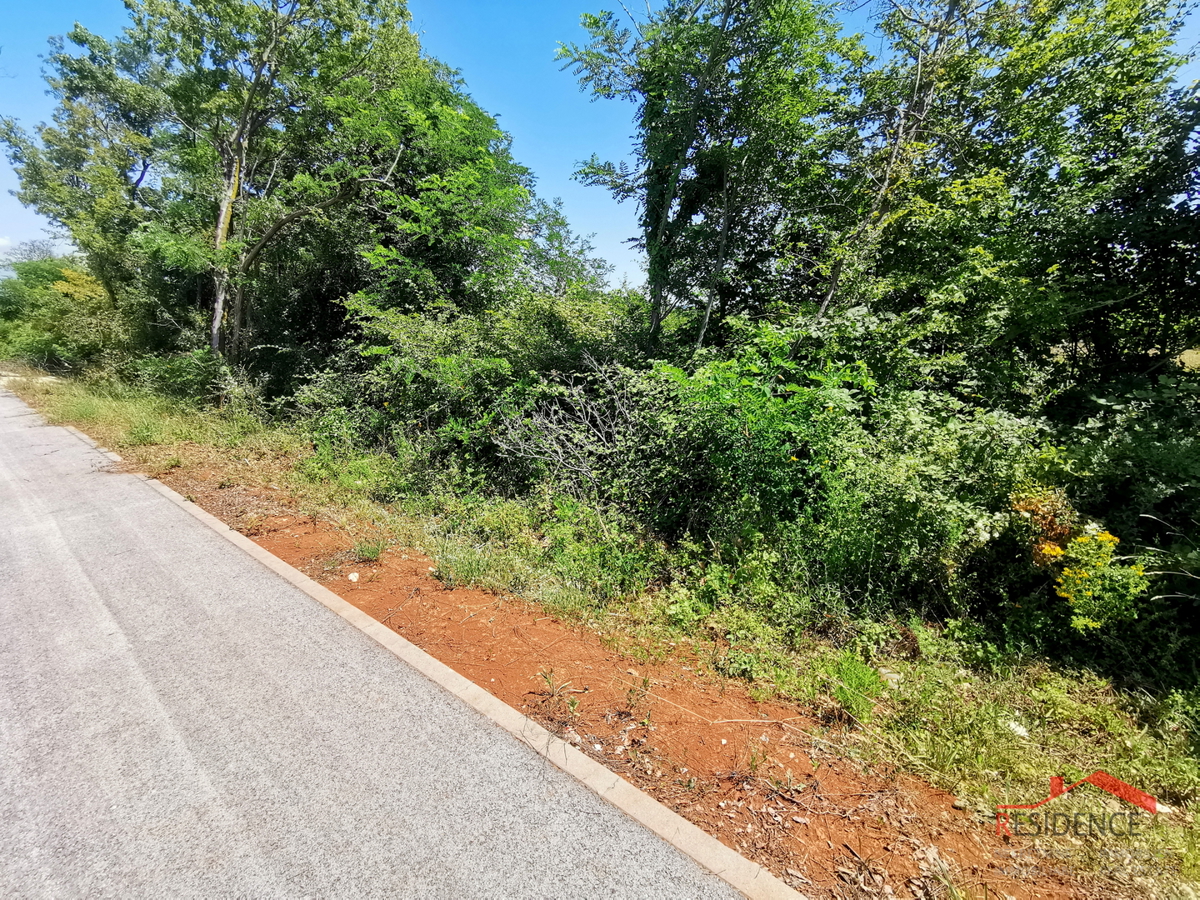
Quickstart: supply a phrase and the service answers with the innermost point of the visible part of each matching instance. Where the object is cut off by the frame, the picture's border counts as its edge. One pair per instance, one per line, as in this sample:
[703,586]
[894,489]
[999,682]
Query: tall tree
[230,112]
[729,97]
[1044,156]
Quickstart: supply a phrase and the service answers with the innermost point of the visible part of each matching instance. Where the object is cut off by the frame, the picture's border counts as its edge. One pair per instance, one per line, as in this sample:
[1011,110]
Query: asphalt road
[178,721]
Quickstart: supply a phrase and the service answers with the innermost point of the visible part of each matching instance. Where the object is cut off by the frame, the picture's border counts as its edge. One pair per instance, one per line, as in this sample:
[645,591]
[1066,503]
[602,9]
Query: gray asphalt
[178,721]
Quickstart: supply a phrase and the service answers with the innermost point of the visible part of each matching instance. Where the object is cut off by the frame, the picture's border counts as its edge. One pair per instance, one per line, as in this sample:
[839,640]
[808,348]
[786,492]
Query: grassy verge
[936,700]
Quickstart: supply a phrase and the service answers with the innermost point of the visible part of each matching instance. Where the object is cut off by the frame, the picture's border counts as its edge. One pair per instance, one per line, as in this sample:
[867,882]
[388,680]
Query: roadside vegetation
[901,426]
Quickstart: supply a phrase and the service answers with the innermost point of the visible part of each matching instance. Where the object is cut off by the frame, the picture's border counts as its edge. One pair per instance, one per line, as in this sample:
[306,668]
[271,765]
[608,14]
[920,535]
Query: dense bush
[53,314]
[795,484]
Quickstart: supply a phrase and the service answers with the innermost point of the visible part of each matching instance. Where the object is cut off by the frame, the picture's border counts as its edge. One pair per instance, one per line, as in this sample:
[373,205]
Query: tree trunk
[719,267]
[236,315]
[233,177]
[221,288]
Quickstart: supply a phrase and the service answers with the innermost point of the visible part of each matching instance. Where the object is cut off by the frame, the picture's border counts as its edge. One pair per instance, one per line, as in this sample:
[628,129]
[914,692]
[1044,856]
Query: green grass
[121,417]
[369,550]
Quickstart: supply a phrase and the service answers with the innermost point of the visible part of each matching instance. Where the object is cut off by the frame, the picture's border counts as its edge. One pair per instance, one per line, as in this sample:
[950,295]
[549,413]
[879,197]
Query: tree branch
[343,193]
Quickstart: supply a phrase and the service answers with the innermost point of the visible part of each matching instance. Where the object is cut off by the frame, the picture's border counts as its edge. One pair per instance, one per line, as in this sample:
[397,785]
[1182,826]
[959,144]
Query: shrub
[1099,590]
[198,375]
[55,315]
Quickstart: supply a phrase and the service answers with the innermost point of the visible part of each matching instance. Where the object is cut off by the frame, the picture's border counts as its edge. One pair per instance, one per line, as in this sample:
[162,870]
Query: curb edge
[746,876]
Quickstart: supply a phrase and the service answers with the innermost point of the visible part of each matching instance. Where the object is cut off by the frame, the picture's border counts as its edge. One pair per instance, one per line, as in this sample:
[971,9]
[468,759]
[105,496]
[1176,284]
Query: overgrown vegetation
[907,386]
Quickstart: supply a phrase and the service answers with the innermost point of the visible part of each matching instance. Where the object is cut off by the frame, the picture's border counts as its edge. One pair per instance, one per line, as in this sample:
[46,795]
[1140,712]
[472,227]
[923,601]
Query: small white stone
[353,576]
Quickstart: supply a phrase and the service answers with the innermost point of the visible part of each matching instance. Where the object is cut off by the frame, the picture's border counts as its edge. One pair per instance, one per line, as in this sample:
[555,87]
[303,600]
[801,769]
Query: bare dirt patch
[759,776]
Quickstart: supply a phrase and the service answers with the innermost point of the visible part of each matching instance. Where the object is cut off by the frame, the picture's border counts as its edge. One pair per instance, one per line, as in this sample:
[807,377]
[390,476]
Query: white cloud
[5,243]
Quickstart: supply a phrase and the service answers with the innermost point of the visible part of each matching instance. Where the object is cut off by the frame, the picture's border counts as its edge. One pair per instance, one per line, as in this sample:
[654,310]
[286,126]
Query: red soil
[757,775]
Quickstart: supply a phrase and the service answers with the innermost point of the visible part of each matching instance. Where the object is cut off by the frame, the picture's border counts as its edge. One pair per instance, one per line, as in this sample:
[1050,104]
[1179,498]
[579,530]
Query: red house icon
[1100,779]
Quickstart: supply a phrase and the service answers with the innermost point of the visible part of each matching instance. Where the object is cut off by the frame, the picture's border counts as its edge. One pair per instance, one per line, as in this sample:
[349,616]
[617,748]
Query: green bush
[198,376]
[54,315]
[804,478]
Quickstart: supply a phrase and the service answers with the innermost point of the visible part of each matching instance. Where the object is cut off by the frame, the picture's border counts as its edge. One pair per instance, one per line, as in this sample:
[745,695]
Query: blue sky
[504,49]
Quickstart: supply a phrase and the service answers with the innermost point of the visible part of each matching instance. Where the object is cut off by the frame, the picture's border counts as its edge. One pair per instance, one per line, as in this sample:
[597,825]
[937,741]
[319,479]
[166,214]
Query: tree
[729,98]
[247,115]
[556,258]
[1044,157]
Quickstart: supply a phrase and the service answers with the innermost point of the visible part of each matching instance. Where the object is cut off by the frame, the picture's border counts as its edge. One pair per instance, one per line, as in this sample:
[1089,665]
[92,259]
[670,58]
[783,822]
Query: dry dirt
[757,775]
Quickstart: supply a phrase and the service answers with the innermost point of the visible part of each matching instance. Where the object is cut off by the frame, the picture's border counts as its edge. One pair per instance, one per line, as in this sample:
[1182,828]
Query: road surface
[178,721]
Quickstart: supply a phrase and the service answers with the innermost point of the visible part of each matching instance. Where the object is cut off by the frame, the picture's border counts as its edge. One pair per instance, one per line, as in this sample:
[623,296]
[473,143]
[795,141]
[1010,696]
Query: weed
[369,550]
[940,882]
[554,688]
[756,757]
[555,699]
[637,694]
[143,433]
[855,685]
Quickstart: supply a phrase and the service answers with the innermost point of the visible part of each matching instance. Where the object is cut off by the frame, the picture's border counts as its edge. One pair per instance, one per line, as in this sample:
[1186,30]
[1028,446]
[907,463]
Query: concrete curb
[746,876]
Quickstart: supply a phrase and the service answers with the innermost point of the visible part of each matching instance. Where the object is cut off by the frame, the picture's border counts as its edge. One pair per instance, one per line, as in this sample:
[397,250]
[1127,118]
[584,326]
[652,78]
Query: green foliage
[56,316]
[1099,590]
[1014,285]
[575,559]
[199,375]
[186,154]
[120,414]
[855,685]
[730,101]
[335,459]
[369,550]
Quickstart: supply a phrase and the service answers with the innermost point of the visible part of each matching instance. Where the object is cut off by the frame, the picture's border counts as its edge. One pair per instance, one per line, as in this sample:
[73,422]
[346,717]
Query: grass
[991,730]
[370,550]
[125,419]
